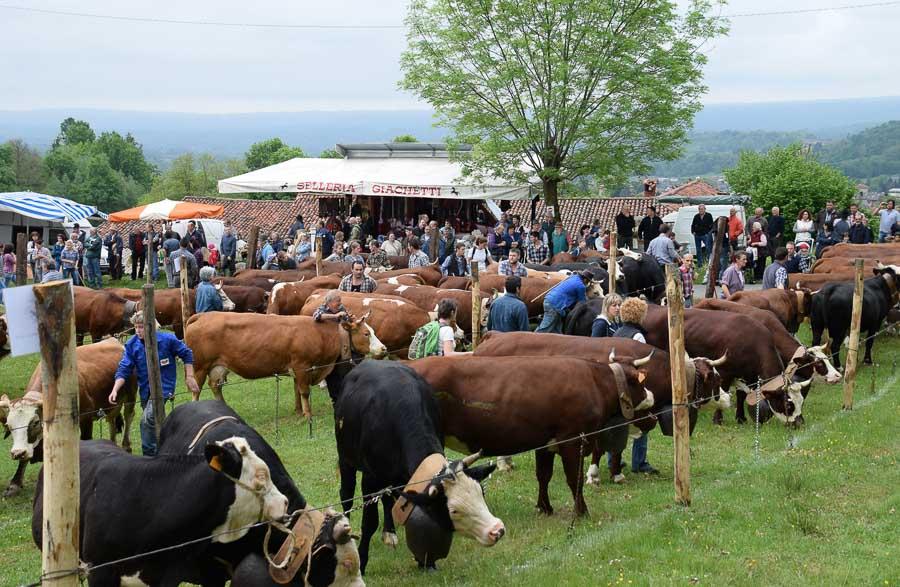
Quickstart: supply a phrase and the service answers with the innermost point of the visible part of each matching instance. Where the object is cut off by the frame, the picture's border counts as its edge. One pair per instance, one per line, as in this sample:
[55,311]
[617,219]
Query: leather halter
[625,403]
[299,549]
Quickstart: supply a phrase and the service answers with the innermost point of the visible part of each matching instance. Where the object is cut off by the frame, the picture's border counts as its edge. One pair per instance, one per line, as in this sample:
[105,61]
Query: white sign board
[21,320]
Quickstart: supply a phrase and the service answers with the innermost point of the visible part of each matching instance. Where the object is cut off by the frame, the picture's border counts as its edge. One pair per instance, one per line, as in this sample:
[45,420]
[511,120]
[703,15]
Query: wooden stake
[853,344]
[251,247]
[21,258]
[713,265]
[152,355]
[318,256]
[680,415]
[612,265]
[61,434]
[186,310]
[476,306]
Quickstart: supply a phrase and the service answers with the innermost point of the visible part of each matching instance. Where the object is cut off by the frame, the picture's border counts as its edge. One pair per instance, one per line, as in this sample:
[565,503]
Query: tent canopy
[404,177]
[44,207]
[168,210]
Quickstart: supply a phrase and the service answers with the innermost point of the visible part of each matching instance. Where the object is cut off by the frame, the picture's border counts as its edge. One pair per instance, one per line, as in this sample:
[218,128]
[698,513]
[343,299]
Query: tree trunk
[551,196]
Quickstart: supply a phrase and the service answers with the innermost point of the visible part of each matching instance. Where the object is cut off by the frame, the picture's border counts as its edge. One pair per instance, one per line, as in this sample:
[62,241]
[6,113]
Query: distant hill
[872,155]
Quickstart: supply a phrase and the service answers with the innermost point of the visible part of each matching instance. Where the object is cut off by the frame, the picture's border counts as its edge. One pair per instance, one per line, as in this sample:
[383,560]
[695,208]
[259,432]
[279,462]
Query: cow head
[804,301]
[363,339]
[629,380]
[22,419]
[4,337]
[813,361]
[227,304]
[256,498]
[594,290]
[454,496]
[785,400]
[890,274]
[708,382]
[335,558]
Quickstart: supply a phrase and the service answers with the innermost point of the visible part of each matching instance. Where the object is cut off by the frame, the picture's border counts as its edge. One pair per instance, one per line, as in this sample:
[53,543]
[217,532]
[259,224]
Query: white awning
[44,207]
[404,177]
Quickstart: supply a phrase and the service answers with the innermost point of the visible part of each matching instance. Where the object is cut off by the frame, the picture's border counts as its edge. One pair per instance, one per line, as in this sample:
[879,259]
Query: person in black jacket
[138,254]
[625,228]
[701,228]
[648,229]
[775,230]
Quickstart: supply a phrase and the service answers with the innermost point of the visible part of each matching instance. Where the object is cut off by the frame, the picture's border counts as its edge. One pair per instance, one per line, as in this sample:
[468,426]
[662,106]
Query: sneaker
[648,469]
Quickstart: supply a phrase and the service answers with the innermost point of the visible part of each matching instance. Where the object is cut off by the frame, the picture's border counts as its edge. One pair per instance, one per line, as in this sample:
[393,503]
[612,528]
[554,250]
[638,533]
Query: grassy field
[817,506]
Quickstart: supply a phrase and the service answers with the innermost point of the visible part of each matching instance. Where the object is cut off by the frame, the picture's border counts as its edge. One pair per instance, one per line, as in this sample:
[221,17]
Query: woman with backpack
[438,338]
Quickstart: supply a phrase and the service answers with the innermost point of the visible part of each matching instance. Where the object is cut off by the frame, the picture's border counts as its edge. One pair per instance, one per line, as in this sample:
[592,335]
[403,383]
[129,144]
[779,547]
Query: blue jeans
[154,267]
[552,321]
[703,254]
[9,279]
[639,453]
[148,430]
[882,236]
[92,269]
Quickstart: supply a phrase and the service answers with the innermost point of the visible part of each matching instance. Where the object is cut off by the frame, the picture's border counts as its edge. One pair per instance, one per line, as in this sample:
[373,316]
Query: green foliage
[871,153]
[405,139]
[26,166]
[74,132]
[566,88]
[789,177]
[270,152]
[330,154]
[126,156]
[7,176]
[192,175]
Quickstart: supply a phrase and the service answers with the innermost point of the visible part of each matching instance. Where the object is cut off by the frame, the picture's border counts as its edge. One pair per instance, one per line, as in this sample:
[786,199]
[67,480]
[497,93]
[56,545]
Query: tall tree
[7,175]
[126,155]
[27,166]
[270,152]
[561,88]
[791,178]
[74,132]
[330,154]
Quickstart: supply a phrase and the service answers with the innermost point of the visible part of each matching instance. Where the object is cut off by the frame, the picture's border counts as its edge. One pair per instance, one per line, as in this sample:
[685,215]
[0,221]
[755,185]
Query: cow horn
[812,293]
[720,360]
[302,278]
[612,355]
[470,460]
[879,265]
[364,316]
[644,361]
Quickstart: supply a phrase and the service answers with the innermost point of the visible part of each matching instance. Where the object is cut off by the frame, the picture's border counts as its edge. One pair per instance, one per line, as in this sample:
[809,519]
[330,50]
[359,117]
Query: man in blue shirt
[228,250]
[207,299]
[134,360]
[508,313]
[563,298]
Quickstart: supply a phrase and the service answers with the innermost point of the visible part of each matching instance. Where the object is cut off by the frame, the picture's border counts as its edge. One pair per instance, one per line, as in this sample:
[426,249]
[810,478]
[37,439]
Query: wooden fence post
[853,344]
[712,268]
[186,309]
[21,259]
[251,247]
[476,306]
[152,355]
[680,414]
[318,256]
[612,264]
[61,434]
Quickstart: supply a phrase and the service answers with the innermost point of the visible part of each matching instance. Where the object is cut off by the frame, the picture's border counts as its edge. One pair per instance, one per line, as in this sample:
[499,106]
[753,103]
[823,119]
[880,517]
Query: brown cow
[101,313]
[844,264]
[4,338]
[816,281]
[260,282]
[287,299]
[394,319]
[255,346]
[97,364]
[430,274]
[531,292]
[537,401]
[427,298]
[790,306]
[167,304]
[870,251]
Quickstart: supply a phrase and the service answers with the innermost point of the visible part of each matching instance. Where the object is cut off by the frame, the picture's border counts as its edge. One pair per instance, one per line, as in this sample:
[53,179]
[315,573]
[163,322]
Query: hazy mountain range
[167,134]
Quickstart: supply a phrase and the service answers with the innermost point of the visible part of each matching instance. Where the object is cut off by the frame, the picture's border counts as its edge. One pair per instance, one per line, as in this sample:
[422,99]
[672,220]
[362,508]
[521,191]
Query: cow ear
[223,458]
[4,408]
[481,472]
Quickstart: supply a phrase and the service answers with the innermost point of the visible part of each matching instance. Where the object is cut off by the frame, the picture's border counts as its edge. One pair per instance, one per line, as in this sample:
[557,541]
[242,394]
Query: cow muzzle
[647,403]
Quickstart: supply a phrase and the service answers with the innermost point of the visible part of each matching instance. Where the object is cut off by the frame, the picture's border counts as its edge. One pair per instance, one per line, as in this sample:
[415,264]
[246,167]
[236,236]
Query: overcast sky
[52,61]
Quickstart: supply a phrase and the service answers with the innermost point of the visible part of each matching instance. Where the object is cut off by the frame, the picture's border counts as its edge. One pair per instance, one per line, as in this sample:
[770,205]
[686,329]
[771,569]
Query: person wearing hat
[805,263]
[562,298]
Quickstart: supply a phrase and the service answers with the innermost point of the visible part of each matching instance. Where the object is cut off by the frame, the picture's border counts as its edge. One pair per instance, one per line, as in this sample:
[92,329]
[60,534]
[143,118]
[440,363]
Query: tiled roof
[244,214]
[576,212]
[697,187]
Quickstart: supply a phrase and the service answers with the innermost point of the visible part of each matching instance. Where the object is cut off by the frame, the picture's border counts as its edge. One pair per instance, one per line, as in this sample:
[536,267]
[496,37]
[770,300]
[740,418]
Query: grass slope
[819,506]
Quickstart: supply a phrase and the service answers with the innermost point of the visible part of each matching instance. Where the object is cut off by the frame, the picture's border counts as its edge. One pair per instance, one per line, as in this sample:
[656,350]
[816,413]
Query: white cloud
[57,61]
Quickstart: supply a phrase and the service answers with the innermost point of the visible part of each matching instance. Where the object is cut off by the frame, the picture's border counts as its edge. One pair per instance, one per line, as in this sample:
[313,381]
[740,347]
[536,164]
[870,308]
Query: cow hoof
[740,419]
[593,475]
[504,464]
[867,361]
[389,539]
[717,418]
[12,491]
[620,478]
[545,510]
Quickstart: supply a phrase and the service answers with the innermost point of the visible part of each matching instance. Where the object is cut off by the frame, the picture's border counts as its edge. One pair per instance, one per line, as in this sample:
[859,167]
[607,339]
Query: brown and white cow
[255,346]
[287,298]
[101,313]
[428,297]
[394,319]
[430,274]
[870,251]
[538,401]
[167,303]
[531,292]
[790,306]
[97,364]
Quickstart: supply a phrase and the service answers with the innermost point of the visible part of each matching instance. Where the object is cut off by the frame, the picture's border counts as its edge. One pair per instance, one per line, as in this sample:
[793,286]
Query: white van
[212,229]
[681,219]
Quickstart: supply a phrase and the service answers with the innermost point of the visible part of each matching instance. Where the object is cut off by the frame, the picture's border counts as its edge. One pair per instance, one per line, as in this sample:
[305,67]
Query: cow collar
[625,403]
[130,308]
[206,428]
[691,379]
[298,549]
[430,467]
[346,343]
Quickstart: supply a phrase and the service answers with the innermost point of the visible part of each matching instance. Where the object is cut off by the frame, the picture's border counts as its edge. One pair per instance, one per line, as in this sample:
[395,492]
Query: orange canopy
[168,210]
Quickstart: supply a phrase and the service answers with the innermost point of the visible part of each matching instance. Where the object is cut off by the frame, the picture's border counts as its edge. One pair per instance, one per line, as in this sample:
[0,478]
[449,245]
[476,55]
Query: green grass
[819,506]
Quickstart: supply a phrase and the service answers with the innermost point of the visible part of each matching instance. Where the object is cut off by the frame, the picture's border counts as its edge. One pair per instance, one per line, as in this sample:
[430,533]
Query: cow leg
[717,417]
[15,484]
[543,465]
[870,340]
[348,486]
[128,418]
[615,467]
[389,533]
[86,424]
[301,396]
[217,377]
[573,464]
[593,475]
[740,397]
[369,523]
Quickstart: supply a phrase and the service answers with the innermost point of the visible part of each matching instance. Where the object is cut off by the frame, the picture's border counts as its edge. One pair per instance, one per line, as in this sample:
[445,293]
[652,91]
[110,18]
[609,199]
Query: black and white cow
[832,308]
[132,505]
[644,276]
[388,427]
[189,427]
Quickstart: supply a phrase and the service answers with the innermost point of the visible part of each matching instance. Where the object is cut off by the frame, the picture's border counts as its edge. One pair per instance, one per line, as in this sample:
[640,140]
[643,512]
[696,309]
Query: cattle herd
[559,394]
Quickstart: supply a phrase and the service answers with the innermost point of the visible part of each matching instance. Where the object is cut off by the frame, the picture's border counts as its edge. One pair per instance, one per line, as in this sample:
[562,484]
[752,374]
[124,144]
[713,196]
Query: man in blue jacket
[508,313]
[134,360]
[563,298]
[228,251]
